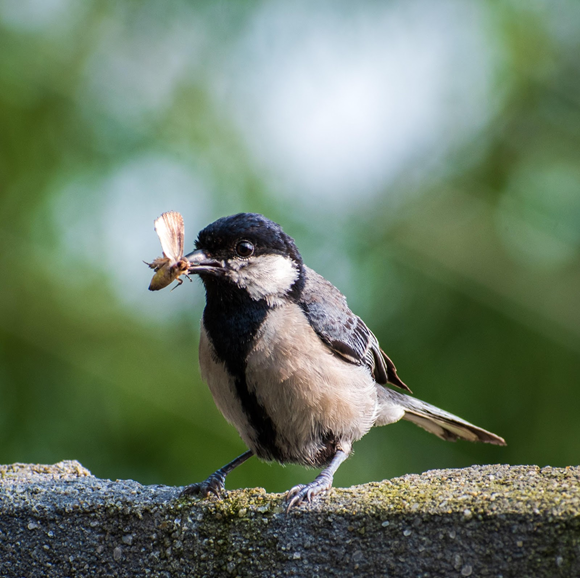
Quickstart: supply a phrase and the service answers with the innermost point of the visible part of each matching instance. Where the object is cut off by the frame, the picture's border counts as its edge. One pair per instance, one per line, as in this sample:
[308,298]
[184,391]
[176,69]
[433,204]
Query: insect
[170,230]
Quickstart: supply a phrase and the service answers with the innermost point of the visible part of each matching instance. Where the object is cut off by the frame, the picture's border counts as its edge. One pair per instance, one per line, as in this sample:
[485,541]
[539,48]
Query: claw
[294,497]
[302,494]
[215,485]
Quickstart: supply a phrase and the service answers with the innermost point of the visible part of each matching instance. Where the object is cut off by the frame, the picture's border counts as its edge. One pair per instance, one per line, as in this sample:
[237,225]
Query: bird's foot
[215,485]
[305,493]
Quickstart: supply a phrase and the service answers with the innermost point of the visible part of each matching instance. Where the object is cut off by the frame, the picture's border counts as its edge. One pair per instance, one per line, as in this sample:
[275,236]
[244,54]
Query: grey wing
[344,332]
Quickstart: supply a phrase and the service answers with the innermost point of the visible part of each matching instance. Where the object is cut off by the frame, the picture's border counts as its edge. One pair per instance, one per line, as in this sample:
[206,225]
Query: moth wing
[170,230]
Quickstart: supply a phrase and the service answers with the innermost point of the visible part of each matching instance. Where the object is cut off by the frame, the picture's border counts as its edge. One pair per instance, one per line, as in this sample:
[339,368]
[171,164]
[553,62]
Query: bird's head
[248,252]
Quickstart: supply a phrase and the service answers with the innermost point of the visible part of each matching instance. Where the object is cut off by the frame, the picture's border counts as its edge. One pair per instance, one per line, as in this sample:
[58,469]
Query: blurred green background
[425,156]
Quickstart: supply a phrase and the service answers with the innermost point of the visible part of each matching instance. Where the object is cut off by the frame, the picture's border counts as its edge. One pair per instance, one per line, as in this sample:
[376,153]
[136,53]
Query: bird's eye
[244,248]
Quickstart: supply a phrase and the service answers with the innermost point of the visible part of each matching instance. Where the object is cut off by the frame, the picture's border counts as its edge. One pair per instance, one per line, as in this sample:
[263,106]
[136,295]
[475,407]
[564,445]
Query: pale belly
[312,397]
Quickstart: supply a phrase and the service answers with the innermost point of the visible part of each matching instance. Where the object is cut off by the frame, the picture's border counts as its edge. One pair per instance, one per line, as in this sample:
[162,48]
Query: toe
[210,486]
[193,490]
[296,496]
[301,494]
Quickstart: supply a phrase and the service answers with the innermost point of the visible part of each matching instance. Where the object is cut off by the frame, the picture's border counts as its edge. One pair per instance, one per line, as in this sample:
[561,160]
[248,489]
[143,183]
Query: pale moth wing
[170,230]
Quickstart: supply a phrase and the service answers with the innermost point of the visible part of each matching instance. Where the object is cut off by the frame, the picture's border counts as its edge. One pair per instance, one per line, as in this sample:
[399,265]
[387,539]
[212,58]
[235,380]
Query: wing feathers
[344,332]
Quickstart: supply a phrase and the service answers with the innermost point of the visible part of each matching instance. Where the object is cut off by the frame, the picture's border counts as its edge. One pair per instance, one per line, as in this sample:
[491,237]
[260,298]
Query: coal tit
[297,373]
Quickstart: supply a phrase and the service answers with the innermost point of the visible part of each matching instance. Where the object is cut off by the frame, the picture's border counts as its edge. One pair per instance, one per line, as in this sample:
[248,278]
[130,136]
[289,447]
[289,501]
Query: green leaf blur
[455,233]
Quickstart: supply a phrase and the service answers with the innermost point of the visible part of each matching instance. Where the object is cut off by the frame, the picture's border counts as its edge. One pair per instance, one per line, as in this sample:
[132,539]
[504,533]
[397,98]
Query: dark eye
[244,248]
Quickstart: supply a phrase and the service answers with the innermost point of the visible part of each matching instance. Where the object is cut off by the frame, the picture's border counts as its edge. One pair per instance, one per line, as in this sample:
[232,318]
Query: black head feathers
[267,237]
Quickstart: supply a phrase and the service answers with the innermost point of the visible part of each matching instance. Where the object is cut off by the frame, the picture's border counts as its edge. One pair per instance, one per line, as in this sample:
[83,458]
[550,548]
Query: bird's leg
[215,483]
[322,483]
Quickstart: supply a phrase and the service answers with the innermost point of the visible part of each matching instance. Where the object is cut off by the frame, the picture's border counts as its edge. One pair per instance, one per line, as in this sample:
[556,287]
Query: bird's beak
[199,262]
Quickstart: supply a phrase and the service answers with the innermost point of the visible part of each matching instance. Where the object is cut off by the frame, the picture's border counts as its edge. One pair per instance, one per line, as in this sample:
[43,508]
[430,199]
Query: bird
[297,373]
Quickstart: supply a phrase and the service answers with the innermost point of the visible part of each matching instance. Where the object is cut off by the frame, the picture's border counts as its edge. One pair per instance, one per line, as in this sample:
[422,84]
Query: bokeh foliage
[466,268]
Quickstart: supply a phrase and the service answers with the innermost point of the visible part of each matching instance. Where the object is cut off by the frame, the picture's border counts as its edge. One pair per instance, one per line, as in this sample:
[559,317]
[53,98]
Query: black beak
[199,262]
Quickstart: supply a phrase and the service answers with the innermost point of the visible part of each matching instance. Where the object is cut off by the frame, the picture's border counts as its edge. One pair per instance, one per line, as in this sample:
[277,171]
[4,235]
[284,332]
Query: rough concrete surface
[480,521]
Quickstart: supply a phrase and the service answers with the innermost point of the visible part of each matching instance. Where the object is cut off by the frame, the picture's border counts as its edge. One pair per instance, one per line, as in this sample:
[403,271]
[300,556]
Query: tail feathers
[436,421]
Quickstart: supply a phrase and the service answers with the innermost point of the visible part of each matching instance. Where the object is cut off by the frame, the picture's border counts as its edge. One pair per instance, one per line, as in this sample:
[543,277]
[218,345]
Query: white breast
[305,388]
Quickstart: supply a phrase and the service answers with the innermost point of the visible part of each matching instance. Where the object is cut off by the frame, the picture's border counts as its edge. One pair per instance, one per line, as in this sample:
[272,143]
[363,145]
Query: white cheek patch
[266,276]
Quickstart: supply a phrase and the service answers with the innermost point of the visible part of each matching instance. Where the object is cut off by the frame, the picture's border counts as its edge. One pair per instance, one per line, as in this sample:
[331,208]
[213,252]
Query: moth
[170,230]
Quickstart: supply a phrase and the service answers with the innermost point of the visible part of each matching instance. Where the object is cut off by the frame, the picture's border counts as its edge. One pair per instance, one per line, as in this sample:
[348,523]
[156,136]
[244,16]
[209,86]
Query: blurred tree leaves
[466,268]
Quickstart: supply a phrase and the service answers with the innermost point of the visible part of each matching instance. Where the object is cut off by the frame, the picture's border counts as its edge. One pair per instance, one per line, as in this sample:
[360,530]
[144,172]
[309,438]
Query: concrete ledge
[480,521]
